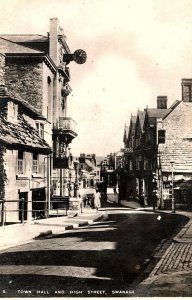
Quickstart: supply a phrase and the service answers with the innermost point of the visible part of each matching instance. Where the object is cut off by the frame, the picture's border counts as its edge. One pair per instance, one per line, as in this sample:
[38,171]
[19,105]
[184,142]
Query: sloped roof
[34,41]
[174,105]
[132,124]
[24,38]
[89,163]
[99,160]
[133,119]
[141,117]
[7,94]
[126,131]
[21,135]
[155,113]
[9,47]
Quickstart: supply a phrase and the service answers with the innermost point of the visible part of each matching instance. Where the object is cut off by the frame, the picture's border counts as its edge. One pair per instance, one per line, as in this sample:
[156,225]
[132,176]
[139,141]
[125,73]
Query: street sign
[127,150]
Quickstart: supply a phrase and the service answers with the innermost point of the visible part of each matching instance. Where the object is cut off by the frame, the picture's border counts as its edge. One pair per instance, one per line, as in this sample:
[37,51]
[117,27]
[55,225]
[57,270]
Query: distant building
[157,152]
[108,168]
[89,170]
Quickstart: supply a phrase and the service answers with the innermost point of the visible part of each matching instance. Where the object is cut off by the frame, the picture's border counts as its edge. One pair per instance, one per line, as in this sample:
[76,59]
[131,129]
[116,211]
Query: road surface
[100,260]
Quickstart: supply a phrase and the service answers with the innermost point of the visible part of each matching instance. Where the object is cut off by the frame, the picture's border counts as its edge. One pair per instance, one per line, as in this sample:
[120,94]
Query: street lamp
[172,180]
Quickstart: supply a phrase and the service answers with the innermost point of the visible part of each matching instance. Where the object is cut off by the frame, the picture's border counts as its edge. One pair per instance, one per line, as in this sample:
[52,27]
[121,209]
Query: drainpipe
[48,184]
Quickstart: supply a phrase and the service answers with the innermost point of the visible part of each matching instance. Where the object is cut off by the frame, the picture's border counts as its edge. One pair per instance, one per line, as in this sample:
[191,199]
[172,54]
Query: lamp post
[172,181]
[76,165]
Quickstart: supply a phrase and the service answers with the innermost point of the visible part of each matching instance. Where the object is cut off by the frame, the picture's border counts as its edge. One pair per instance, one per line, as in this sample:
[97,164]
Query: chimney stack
[186,84]
[162,102]
[53,40]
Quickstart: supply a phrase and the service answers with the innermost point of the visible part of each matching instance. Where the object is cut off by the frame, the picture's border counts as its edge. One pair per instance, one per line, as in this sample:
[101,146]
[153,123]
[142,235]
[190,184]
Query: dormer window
[40,129]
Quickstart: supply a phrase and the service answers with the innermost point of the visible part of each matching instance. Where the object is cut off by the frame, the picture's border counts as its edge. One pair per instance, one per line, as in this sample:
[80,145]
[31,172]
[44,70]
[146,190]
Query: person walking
[141,201]
[154,200]
[97,200]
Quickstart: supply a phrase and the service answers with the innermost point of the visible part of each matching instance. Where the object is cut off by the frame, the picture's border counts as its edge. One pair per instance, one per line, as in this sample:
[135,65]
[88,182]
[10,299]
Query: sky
[136,50]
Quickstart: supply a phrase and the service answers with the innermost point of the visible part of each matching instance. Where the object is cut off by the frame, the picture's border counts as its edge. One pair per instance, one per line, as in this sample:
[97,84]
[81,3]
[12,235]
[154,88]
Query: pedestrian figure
[97,200]
[85,201]
[154,200]
[145,200]
[141,201]
[114,190]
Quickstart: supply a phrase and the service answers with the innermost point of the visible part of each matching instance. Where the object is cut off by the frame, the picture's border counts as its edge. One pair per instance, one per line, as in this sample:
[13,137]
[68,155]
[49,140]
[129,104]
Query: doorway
[23,206]
[38,203]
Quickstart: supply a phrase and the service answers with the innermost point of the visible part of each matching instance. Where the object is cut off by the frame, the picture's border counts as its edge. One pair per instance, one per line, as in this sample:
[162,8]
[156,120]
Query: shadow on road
[131,239]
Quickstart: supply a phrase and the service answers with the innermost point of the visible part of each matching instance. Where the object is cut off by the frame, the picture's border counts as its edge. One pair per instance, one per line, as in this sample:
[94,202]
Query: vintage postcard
[95,148]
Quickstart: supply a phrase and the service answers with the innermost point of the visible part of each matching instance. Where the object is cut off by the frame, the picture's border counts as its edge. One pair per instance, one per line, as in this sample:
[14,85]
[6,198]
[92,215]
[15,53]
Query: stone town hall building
[35,158]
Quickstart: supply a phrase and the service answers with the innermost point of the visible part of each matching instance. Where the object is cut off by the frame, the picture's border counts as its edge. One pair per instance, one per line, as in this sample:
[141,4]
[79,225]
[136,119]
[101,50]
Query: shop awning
[184,185]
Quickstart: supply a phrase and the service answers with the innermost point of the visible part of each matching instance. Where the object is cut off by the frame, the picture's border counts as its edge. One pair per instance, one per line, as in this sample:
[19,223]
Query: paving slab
[13,235]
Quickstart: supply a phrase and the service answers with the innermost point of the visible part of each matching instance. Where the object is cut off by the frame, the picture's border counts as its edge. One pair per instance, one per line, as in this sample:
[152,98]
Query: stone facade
[25,77]
[178,139]
[175,156]
[24,160]
[18,185]
[160,159]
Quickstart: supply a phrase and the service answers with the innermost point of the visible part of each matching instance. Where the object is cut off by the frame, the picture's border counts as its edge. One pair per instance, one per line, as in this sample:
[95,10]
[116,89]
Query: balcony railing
[66,125]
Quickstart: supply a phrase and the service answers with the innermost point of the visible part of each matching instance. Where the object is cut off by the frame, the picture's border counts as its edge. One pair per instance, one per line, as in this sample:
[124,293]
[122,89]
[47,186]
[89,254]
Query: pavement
[18,234]
[171,276]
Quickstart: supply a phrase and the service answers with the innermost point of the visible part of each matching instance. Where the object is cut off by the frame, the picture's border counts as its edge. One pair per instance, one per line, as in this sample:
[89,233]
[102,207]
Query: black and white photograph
[95,149]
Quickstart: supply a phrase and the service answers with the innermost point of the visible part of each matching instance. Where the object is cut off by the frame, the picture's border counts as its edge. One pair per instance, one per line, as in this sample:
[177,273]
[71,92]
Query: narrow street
[102,259]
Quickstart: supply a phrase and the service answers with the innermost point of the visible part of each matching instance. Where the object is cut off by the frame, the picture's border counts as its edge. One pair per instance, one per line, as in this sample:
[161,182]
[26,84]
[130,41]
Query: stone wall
[178,139]
[24,76]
